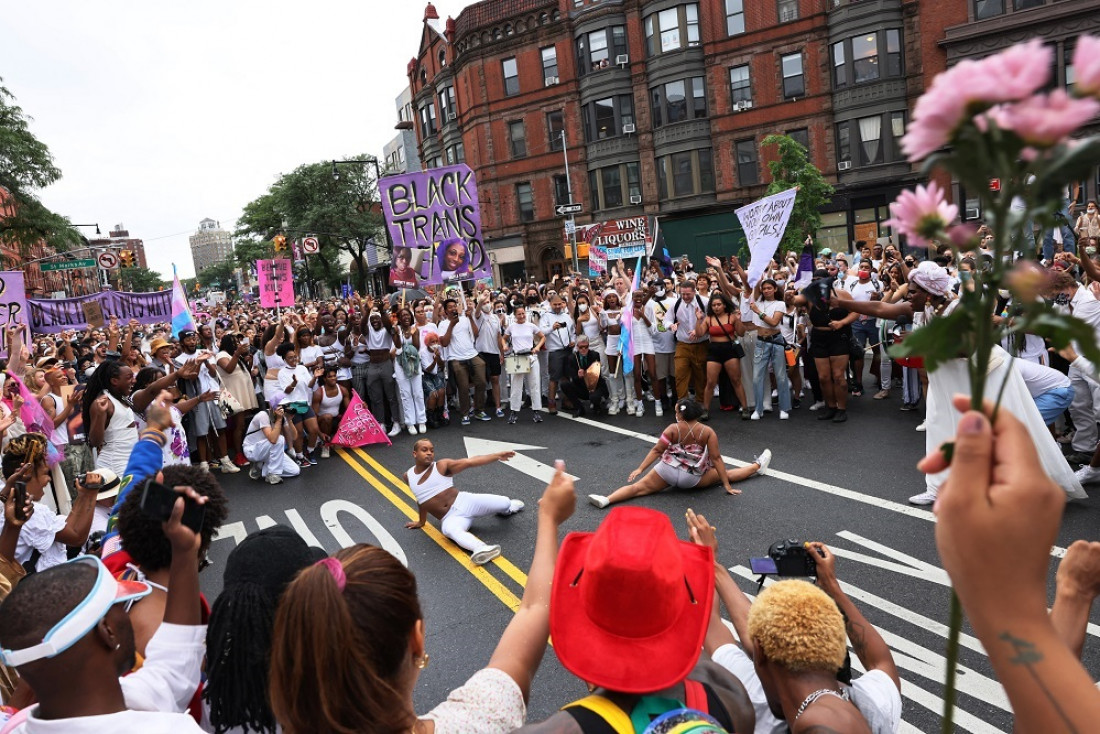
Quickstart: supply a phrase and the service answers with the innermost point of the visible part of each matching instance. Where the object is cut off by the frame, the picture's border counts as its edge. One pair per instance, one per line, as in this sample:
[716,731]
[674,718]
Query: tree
[792,168]
[140,280]
[219,276]
[25,166]
[342,212]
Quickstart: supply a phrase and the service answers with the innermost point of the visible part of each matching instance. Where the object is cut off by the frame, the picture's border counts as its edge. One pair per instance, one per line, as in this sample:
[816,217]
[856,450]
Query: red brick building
[664,103]
[37,283]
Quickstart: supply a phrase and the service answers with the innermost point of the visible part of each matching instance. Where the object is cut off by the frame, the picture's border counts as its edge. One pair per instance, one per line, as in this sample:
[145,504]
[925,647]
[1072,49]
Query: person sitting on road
[687,456]
[630,607]
[356,672]
[265,442]
[585,384]
[433,484]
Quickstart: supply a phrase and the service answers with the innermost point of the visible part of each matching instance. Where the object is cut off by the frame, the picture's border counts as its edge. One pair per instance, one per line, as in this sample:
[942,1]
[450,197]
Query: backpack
[599,715]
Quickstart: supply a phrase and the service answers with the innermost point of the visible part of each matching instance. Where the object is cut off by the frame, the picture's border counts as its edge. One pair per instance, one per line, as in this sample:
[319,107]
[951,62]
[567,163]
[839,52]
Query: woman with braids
[234,366]
[109,415]
[238,638]
[356,671]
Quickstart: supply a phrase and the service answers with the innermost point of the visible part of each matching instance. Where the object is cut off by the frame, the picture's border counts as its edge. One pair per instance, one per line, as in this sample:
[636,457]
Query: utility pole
[571,223]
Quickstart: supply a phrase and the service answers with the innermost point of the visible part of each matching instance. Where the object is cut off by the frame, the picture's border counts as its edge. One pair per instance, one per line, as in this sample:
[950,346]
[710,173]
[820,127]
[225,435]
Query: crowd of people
[112,439]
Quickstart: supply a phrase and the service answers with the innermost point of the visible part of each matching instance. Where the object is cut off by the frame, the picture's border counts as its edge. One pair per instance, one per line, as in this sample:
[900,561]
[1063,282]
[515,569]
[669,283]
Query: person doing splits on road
[683,455]
[433,484]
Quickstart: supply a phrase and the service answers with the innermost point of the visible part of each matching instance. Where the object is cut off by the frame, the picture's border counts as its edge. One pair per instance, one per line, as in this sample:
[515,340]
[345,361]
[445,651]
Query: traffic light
[126,258]
[280,242]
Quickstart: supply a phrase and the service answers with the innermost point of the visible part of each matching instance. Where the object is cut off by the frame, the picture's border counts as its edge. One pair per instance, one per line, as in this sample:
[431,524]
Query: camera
[789,557]
[83,479]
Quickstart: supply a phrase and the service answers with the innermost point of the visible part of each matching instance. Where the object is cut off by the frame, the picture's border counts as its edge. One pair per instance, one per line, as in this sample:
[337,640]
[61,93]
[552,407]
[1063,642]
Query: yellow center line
[500,561]
[498,589]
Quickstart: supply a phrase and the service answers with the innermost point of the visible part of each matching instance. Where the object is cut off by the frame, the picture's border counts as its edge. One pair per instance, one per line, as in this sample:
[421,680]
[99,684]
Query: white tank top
[331,406]
[119,437]
[60,435]
[433,483]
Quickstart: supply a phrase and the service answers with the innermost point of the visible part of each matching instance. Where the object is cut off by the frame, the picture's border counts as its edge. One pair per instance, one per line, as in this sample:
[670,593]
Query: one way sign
[564,209]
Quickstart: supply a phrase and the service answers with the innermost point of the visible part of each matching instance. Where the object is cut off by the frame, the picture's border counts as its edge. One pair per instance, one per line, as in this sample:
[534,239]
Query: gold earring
[423,662]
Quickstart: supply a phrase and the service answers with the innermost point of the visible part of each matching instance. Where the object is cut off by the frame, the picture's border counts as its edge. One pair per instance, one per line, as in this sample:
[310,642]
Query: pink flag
[35,419]
[358,427]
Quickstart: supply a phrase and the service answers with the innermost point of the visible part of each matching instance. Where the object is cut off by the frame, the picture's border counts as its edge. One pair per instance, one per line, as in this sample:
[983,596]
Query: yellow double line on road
[363,464]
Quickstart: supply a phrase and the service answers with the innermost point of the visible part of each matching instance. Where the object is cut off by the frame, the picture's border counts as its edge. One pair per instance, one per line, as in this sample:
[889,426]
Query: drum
[517,364]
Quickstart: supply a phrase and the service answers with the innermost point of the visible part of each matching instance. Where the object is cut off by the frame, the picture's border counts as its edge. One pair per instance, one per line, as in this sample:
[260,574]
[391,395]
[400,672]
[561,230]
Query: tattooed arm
[998,516]
[867,643]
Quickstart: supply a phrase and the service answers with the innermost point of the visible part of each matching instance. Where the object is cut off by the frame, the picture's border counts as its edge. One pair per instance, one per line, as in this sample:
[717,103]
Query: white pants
[533,382]
[411,392]
[618,385]
[466,508]
[272,458]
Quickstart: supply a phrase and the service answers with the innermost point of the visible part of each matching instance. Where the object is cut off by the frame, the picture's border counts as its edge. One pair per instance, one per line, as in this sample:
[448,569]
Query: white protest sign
[764,221]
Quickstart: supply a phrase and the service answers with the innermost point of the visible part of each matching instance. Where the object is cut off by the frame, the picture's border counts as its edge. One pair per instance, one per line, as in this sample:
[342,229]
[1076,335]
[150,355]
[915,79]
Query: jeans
[768,353]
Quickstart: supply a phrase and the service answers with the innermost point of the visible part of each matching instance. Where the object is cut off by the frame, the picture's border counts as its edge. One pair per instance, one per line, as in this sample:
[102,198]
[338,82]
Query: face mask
[428,312]
[1090,250]
[1004,293]
[1062,299]
[964,276]
[1092,210]
[486,308]
[582,307]
[532,299]
[499,312]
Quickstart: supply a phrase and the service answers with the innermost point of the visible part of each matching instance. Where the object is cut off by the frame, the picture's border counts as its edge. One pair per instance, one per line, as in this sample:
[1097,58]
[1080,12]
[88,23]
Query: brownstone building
[661,106]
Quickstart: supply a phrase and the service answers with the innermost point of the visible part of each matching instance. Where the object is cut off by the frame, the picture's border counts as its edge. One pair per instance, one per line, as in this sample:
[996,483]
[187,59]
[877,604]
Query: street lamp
[377,177]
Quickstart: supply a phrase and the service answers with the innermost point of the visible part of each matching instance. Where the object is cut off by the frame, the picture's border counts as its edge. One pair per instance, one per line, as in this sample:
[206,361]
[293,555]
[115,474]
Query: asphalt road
[845,485]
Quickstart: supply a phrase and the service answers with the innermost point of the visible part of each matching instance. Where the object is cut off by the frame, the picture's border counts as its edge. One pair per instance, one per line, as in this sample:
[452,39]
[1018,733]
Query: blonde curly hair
[799,627]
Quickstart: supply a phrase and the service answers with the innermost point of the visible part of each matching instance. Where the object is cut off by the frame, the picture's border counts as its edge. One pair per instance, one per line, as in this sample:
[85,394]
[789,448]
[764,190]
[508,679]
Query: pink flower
[922,214]
[1045,120]
[964,236]
[1017,72]
[1086,66]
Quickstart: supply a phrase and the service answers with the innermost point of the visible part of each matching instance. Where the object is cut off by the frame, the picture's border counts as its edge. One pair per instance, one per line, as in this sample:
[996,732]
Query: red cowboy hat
[630,603]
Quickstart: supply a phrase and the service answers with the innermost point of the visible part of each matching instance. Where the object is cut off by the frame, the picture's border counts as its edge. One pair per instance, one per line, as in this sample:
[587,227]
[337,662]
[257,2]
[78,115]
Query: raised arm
[703,533]
[450,467]
[1078,586]
[878,309]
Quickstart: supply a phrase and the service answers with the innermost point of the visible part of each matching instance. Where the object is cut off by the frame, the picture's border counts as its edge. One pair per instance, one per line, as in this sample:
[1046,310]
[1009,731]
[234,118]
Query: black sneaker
[841,416]
[1078,457]
[828,414]
[705,416]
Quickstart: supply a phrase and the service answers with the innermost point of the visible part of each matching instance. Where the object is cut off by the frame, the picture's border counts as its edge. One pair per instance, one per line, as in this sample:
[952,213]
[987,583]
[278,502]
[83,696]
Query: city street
[845,485]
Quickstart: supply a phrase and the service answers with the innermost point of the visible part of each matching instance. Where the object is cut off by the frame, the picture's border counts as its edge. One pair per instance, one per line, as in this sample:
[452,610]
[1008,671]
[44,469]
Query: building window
[1071,74]
[561,189]
[740,87]
[877,139]
[525,200]
[555,125]
[748,172]
[988,9]
[605,118]
[893,52]
[511,76]
[600,49]
[442,58]
[865,58]
[801,136]
[735,17]
[614,186]
[860,59]
[1025,4]
[870,139]
[428,125]
[549,65]
[677,101]
[897,130]
[448,110]
[840,69]
[517,138]
[685,174]
[788,10]
[672,29]
[794,82]
[843,144]
[455,154]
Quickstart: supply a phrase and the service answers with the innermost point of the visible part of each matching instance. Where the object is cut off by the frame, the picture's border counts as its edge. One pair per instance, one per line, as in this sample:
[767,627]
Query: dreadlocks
[98,383]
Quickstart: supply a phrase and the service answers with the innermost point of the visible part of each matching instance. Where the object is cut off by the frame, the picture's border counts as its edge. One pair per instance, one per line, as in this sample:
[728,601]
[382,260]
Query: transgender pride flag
[626,336]
[181,311]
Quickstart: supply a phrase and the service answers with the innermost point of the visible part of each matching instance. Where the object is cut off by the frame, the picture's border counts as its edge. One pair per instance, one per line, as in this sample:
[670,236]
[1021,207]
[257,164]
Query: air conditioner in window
[550,81]
[843,165]
[452,116]
[742,106]
[973,213]
[622,59]
[628,128]
[635,198]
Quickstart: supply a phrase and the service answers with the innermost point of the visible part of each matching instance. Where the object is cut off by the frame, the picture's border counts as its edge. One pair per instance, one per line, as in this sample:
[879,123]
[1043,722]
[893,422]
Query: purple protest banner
[435,214]
[49,316]
[13,306]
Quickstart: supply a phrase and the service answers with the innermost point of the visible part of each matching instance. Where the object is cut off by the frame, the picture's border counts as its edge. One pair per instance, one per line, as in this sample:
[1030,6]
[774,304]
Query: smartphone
[157,501]
[20,490]
[66,391]
[763,566]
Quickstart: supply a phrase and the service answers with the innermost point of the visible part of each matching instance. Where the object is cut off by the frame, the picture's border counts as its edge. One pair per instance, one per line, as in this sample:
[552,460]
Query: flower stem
[954,625]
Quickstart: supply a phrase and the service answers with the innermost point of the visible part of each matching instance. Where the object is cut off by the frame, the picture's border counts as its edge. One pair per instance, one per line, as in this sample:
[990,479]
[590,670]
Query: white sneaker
[924,498]
[630,407]
[756,415]
[921,428]
[326,452]
[716,389]
[767,407]
[484,554]
[204,466]
[783,415]
[775,394]
[412,430]
[227,466]
[639,409]
[657,409]
[514,507]
[395,430]
[274,479]
[764,460]
[422,427]
[647,395]
[614,408]
[818,405]
[1088,474]
[598,500]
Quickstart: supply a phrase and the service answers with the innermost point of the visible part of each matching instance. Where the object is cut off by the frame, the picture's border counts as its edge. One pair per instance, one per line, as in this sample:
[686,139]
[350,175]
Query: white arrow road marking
[519,462]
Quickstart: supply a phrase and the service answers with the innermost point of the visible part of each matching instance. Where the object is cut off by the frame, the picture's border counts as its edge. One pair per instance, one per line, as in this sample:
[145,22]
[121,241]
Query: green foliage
[342,212]
[218,276]
[26,165]
[140,280]
[793,167]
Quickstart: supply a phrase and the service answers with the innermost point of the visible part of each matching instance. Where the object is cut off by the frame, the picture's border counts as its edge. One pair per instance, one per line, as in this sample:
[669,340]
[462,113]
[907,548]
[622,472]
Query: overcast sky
[162,114]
